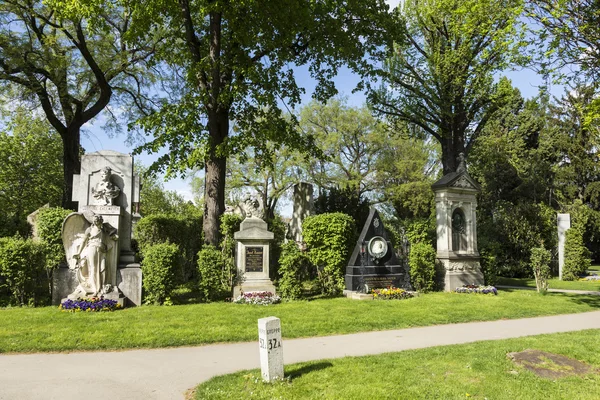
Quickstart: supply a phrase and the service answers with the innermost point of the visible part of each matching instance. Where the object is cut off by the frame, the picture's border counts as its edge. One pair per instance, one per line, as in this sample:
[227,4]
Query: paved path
[168,373]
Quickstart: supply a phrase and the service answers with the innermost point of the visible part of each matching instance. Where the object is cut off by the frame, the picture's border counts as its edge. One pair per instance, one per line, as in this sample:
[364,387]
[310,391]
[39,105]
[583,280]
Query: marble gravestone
[374,263]
[456,220]
[563,225]
[252,252]
[303,207]
[107,193]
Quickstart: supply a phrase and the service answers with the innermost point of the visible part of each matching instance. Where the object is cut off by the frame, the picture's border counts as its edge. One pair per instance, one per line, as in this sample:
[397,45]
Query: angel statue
[105,190]
[89,247]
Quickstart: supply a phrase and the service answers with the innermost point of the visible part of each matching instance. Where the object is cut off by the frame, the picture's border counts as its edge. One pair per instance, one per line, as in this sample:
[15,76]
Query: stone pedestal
[303,207]
[252,257]
[564,224]
[456,220]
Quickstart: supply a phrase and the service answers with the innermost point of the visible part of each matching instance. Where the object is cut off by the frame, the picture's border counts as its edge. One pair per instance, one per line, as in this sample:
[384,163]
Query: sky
[95,139]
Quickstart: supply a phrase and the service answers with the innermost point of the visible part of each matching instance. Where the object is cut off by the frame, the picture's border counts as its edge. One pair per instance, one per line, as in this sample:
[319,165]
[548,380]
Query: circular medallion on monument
[377,247]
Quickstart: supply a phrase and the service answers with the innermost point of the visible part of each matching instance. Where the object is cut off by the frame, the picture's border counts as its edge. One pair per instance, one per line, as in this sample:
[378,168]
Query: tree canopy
[235,61]
[440,75]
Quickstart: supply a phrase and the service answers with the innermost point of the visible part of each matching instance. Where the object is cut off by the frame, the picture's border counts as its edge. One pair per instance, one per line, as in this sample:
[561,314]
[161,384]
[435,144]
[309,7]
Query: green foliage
[49,228]
[31,173]
[347,201]
[183,230]
[278,227]
[540,264]
[235,59]
[439,78]
[294,268]
[351,140]
[329,238]
[489,264]
[420,230]
[230,223]
[22,271]
[214,283]
[159,268]
[577,256]
[421,261]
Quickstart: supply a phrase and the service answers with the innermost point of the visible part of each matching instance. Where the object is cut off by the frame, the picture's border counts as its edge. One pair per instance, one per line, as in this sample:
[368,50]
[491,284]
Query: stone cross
[271,352]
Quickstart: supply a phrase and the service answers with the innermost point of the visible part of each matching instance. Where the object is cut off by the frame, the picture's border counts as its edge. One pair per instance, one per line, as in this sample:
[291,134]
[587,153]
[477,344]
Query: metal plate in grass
[549,365]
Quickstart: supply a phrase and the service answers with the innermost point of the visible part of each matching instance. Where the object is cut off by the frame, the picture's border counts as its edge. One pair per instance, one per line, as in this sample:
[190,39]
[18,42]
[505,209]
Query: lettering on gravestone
[254,259]
[271,352]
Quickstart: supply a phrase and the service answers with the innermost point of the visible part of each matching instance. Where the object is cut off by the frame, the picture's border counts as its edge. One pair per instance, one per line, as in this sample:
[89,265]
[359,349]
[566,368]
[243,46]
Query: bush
[22,271]
[422,266]
[211,266]
[329,238]
[540,264]
[294,266]
[489,263]
[277,226]
[577,256]
[183,230]
[161,261]
[230,223]
[49,228]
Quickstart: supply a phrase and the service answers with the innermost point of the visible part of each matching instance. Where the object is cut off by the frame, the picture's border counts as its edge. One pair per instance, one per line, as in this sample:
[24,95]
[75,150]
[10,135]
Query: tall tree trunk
[71,164]
[452,146]
[214,186]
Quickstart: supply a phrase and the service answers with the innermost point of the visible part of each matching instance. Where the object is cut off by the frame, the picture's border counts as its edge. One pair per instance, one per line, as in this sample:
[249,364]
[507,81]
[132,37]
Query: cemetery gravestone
[564,223]
[107,193]
[374,263]
[252,253]
[270,349]
[303,207]
[456,220]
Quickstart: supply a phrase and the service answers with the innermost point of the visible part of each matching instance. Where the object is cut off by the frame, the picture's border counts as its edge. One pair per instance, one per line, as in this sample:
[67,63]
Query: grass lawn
[595,267]
[471,371]
[48,329]
[554,283]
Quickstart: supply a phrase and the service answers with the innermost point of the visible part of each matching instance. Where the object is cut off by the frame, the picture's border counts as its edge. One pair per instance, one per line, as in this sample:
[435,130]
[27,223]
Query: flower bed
[391,293]
[592,277]
[92,304]
[477,289]
[260,298]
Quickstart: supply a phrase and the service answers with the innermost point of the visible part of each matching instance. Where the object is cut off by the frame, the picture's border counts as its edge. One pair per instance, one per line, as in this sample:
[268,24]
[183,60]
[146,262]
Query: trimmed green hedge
[577,256]
[294,266]
[184,231]
[23,275]
[161,261]
[329,238]
[422,266]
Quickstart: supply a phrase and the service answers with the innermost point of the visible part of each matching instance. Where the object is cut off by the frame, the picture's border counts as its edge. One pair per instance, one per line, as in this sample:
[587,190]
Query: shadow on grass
[296,372]
[589,300]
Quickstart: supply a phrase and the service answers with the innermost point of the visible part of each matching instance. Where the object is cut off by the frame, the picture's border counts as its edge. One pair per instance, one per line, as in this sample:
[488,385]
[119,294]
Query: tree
[154,199]
[270,177]
[235,60]
[440,75]
[350,139]
[406,168]
[30,172]
[570,35]
[69,58]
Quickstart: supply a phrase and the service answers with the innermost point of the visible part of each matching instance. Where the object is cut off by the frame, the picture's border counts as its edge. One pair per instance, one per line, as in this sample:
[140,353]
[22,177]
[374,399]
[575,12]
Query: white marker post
[271,352]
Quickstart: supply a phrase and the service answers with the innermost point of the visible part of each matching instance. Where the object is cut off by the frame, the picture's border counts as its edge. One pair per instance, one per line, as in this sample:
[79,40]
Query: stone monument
[456,220]
[563,224]
[303,207]
[374,263]
[97,238]
[252,252]
[270,350]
